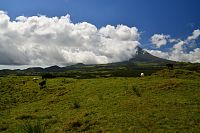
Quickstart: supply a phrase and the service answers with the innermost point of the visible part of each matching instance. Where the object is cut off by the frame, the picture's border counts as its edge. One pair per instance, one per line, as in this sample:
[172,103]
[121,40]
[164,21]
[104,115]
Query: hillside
[141,62]
[167,101]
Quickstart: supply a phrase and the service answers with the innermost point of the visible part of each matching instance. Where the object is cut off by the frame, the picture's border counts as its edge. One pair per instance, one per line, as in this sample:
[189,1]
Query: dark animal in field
[42,84]
[170,66]
[24,82]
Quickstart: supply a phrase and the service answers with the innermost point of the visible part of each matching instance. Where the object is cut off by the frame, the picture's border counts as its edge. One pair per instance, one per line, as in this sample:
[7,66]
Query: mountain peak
[140,51]
[143,56]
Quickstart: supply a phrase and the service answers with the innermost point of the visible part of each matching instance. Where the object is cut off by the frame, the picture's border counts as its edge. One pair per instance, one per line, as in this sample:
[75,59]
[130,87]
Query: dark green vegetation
[166,101]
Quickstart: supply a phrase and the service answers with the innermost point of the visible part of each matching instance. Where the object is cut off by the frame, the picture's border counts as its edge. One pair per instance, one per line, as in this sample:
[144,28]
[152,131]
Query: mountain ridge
[141,56]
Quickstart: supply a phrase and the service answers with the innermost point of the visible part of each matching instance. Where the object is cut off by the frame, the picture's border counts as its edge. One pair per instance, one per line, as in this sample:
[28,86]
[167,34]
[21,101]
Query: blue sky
[176,18]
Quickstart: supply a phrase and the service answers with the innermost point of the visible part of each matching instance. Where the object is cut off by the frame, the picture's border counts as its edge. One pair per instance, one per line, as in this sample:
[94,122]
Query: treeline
[101,74]
[128,70]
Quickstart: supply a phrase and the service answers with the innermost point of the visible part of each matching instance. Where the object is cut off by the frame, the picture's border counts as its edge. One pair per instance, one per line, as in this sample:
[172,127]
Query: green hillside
[167,101]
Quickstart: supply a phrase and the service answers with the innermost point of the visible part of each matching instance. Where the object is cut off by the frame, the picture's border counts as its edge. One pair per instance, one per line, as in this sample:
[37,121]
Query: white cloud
[192,56]
[172,40]
[179,46]
[195,35]
[159,40]
[41,40]
[179,52]
[4,20]
[158,53]
[121,32]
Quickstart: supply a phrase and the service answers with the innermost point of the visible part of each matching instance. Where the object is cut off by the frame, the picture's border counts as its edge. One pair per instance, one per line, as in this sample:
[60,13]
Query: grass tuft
[32,128]
[136,91]
[76,105]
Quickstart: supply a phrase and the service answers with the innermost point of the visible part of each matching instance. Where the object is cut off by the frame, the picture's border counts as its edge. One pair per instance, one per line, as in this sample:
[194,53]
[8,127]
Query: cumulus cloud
[159,40]
[41,40]
[195,35]
[179,51]
[192,56]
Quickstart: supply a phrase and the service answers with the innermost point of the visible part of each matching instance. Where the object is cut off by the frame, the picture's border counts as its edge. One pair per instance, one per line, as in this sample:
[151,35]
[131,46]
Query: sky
[61,32]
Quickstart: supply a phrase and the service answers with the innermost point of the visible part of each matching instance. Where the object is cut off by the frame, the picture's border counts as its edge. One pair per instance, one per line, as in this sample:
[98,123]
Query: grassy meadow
[166,101]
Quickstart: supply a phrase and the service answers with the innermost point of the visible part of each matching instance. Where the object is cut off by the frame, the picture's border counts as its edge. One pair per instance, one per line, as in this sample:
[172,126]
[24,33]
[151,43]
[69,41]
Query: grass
[167,101]
[30,128]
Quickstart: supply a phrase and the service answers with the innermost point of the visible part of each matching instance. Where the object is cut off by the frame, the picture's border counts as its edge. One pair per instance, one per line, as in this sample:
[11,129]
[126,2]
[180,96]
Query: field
[167,101]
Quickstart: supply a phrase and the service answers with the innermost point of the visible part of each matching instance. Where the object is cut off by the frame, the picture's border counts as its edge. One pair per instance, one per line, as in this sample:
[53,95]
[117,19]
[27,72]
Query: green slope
[156,103]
